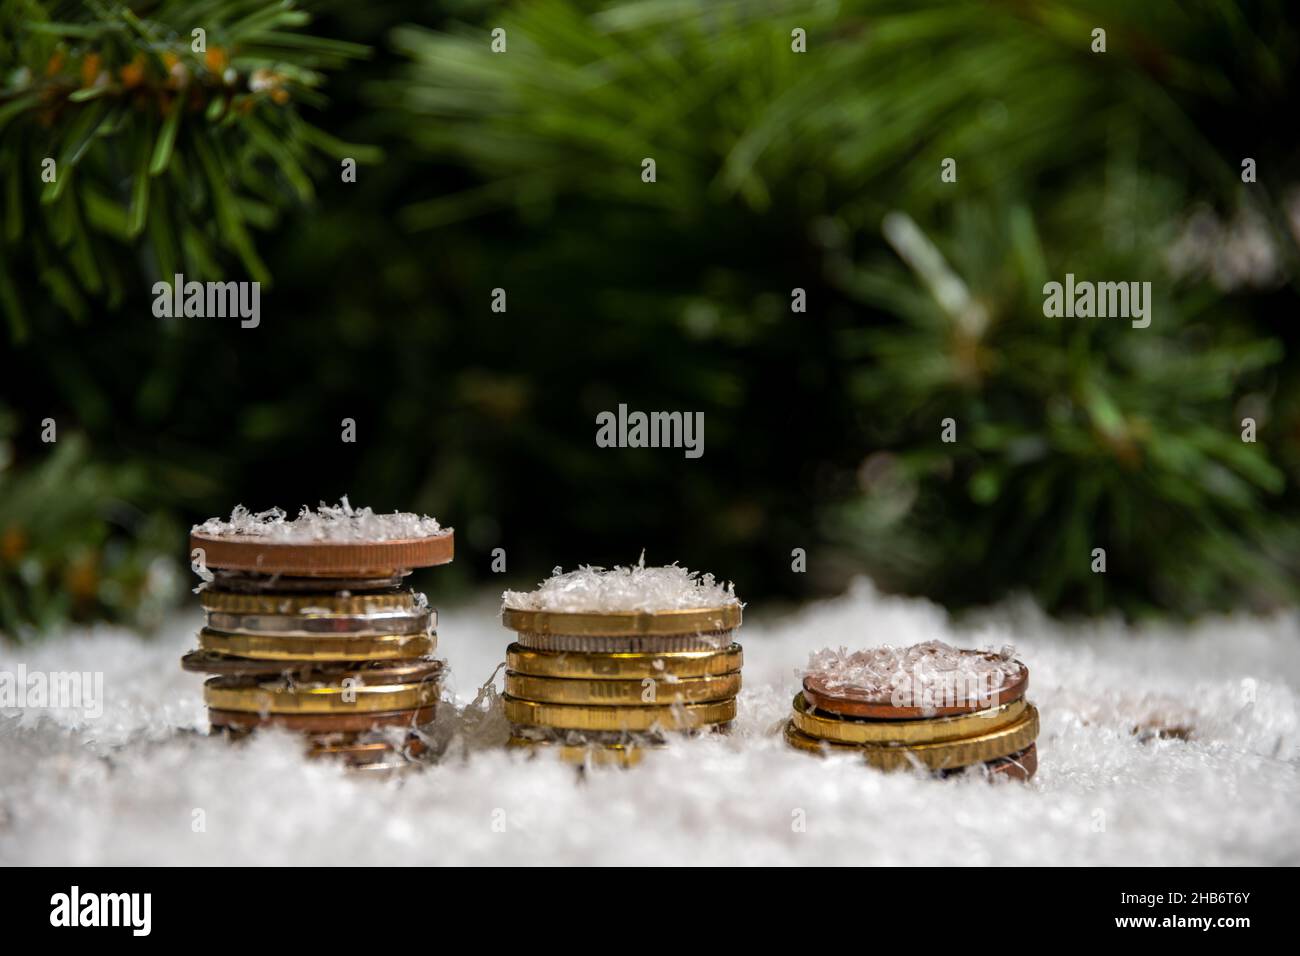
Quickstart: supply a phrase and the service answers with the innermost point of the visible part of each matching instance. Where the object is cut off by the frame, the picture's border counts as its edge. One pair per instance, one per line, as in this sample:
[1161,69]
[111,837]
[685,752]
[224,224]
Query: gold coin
[625,666]
[239,722]
[628,624]
[325,647]
[383,769]
[277,697]
[579,717]
[232,602]
[903,732]
[591,755]
[940,756]
[366,751]
[568,690]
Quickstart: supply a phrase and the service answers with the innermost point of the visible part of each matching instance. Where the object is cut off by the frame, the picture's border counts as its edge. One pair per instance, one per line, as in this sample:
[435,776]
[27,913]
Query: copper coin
[1016,766]
[322,723]
[935,701]
[323,559]
[210,662]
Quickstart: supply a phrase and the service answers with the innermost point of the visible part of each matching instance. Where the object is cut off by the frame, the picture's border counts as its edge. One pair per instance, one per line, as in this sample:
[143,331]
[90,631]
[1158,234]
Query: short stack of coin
[603,688]
[981,720]
[322,638]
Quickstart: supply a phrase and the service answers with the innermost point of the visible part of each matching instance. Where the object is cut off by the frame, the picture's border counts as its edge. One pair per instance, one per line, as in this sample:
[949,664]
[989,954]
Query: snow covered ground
[1159,746]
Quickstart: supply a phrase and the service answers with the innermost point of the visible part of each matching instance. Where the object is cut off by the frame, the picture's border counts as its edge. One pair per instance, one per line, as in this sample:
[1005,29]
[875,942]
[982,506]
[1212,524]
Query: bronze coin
[849,701]
[322,723]
[1016,766]
[210,662]
[323,559]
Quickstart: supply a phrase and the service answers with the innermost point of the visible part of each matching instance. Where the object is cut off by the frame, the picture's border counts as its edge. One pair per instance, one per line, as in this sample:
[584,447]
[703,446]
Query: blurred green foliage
[775,170]
[74,545]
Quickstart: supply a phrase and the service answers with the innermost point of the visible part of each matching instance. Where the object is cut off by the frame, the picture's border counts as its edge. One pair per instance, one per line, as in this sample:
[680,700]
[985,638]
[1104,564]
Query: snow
[931,670]
[619,590]
[1163,745]
[333,523]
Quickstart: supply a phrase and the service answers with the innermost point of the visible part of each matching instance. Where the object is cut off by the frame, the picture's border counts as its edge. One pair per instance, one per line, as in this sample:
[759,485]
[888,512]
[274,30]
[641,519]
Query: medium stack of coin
[603,688]
[930,707]
[321,637]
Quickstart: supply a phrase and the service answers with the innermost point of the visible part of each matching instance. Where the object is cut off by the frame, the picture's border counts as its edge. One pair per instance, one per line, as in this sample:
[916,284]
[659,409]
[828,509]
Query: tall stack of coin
[929,706]
[310,627]
[604,685]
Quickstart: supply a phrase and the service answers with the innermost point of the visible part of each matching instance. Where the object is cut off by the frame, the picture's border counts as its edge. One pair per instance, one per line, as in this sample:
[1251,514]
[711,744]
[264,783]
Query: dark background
[775,170]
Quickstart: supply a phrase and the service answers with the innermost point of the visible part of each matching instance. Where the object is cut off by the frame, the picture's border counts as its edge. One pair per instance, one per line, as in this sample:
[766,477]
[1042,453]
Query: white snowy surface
[123,789]
[620,589]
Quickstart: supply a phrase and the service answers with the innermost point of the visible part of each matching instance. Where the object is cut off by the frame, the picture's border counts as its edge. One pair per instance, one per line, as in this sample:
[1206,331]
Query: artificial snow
[1164,745]
[593,590]
[907,675]
[328,523]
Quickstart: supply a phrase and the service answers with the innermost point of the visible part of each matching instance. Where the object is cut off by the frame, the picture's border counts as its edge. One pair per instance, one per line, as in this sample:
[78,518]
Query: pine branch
[151,127]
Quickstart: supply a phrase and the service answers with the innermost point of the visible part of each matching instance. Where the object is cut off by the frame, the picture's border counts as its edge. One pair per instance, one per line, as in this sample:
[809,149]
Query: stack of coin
[603,688]
[930,707]
[321,637]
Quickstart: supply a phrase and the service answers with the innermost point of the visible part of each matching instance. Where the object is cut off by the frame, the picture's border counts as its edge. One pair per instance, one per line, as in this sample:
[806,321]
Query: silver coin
[309,624]
[638,644]
[249,582]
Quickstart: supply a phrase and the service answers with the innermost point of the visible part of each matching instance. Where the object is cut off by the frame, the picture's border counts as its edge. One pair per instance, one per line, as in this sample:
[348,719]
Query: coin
[932,730]
[306,624]
[250,582]
[322,723]
[625,666]
[652,644]
[854,702]
[1017,766]
[628,624]
[648,690]
[595,755]
[584,738]
[355,559]
[342,603]
[288,697]
[383,769]
[576,717]
[321,648]
[365,672]
[362,672]
[938,756]
[210,662]
[367,751]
